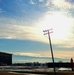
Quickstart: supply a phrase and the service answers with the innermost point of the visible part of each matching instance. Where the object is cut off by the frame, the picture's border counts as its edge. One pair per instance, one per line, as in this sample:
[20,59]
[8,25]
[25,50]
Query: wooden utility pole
[47,32]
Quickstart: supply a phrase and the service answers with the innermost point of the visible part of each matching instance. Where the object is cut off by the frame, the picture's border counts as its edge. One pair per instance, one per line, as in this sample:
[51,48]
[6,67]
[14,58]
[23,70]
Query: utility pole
[47,32]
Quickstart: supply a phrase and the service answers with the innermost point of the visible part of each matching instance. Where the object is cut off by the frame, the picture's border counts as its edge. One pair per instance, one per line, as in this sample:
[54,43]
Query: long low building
[64,64]
[5,58]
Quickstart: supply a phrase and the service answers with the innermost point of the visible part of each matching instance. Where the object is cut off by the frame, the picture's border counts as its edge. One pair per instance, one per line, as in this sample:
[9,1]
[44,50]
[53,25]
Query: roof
[5,53]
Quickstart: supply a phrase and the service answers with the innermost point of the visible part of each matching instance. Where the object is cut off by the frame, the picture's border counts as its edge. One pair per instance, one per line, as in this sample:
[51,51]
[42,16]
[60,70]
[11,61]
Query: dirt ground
[6,73]
[58,73]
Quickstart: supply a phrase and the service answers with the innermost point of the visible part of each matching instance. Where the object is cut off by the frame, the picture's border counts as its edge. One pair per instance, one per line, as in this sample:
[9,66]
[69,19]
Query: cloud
[64,54]
[58,4]
[28,54]
[19,32]
[32,2]
[47,54]
[70,1]
[13,29]
[62,27]
[1,11]
[41,0]
[59,54]
[48,3]
[62,4]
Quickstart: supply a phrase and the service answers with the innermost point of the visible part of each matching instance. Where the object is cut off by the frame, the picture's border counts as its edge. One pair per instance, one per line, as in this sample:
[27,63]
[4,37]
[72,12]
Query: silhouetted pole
[47,32]
[72,64]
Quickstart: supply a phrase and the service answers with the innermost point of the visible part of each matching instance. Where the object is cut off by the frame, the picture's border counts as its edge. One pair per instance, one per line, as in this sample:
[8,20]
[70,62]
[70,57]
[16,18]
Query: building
[5,58]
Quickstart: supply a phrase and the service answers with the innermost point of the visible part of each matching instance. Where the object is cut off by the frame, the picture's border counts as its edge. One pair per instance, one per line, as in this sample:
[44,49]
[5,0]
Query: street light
[47,32]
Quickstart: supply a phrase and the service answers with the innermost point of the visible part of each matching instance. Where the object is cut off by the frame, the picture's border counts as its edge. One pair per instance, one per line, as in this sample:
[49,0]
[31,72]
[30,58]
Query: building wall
[64,64]
[5,58]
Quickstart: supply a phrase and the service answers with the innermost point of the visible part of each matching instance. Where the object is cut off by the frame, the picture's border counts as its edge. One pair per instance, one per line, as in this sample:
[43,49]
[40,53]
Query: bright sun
[59,22]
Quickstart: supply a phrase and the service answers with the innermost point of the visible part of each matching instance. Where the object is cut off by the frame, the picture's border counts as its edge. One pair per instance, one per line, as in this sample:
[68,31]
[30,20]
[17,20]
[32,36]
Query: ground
[58,73]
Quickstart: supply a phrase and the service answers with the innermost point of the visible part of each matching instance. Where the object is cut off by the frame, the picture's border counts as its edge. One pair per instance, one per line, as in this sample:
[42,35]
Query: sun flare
[59,22]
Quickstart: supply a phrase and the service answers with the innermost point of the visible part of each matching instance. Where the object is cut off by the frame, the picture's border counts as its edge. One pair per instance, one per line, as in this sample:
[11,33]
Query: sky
[21,29]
